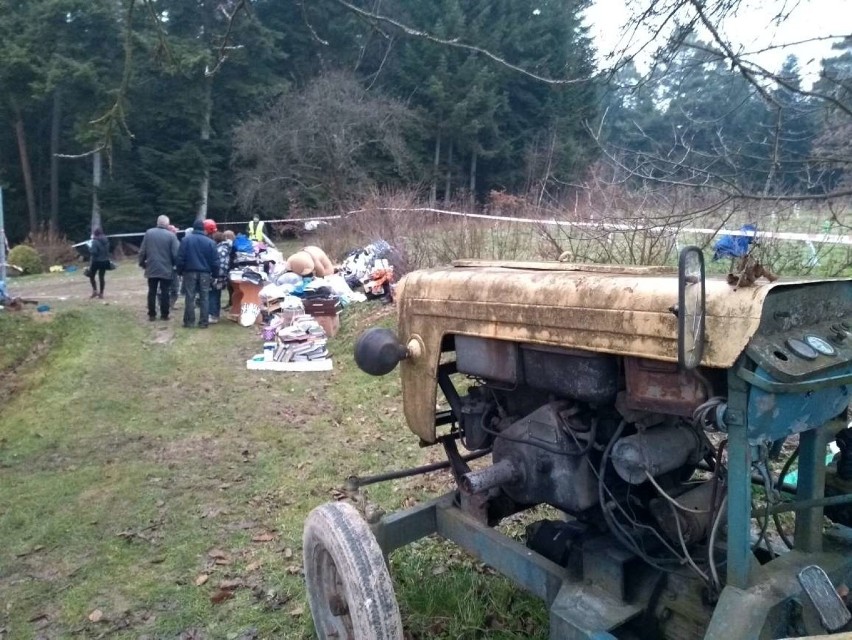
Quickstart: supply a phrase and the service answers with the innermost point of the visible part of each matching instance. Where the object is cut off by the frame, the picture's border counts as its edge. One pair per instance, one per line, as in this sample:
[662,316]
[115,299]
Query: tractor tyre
[349,588]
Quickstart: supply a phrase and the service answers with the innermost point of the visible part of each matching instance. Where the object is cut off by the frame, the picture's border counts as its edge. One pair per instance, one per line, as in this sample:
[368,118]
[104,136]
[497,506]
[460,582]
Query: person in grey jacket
[158,256]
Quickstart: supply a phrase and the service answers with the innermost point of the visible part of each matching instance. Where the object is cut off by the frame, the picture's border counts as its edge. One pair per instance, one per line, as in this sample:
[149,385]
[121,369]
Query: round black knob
[378,351]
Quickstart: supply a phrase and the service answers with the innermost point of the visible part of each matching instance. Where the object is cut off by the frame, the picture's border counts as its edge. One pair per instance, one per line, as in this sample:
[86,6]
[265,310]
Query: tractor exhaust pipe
[501,473]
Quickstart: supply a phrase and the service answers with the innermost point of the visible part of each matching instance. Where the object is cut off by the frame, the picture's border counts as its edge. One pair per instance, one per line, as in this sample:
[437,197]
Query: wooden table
[245,292]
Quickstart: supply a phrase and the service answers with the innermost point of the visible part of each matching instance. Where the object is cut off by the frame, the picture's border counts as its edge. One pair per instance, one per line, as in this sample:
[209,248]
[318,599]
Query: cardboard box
[329,324]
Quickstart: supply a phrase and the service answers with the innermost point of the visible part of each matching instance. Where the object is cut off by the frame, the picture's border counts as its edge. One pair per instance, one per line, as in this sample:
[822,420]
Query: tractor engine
[553,417]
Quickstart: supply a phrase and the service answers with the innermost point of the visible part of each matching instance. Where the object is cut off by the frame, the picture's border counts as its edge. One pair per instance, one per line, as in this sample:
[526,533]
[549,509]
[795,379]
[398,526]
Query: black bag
[112,266]
[87,271]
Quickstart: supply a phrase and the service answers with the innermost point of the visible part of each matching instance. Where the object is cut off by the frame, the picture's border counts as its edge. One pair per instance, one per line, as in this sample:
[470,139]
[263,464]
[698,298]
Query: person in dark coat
[198,263]
[158,256]
[175,290]
[99,261]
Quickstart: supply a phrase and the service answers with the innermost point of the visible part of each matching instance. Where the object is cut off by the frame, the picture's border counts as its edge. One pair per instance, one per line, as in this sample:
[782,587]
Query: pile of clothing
[309,285]
[370,269]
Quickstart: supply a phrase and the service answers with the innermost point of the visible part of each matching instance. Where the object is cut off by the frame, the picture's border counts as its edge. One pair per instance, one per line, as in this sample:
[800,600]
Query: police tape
[822,238]
[612,227]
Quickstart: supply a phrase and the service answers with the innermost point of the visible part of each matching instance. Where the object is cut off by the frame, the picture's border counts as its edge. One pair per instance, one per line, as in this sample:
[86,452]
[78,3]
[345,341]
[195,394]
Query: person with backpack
[224,242]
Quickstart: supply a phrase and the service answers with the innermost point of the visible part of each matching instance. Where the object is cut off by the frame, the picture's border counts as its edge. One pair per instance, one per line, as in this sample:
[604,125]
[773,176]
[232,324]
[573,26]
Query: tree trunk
[448,183]
[54,161]
[204,189]
[96,185]
[473,176]
[433,195]
[546,176]
[26,169]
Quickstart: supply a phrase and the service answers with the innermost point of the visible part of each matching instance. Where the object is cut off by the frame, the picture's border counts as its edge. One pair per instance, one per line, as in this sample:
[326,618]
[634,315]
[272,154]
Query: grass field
[150,487]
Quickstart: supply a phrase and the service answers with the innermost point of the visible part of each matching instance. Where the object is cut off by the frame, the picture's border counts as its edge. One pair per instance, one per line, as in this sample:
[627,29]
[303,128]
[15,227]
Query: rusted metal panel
[661,387]
[628,314]
[491,359]
[569,266]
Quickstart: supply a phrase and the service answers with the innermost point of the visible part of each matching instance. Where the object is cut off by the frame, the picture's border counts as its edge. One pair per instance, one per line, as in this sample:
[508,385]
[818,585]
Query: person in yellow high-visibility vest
[255,231]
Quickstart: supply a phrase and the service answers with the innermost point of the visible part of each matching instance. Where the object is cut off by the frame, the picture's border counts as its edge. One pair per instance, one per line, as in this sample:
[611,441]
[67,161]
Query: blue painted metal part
[577,612]
[740,557]
[808,535]
[772,416]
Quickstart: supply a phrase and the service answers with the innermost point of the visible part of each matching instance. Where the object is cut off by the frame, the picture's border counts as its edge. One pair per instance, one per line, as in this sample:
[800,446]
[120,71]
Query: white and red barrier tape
[820,238]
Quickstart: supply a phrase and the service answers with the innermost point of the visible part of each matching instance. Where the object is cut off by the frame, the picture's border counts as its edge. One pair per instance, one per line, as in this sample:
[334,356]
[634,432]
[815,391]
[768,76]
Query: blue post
[811,485]
[739,483]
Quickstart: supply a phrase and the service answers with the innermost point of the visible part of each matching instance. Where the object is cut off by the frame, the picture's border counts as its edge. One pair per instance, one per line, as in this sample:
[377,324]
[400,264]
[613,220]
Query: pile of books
[303,340]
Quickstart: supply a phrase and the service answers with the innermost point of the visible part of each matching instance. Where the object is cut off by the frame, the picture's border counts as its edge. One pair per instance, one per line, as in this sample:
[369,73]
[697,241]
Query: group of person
[196,266]
[201,261]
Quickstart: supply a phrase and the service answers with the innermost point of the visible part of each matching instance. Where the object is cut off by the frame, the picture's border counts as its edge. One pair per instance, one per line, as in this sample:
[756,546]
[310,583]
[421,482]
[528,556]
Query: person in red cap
[210,227]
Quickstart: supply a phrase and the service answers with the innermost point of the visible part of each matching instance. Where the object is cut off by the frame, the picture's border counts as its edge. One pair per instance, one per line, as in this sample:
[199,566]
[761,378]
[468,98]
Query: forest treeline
[225,108]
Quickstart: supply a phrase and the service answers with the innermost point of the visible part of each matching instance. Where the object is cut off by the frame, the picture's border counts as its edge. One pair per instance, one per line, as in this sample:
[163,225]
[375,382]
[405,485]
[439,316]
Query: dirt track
[125,286]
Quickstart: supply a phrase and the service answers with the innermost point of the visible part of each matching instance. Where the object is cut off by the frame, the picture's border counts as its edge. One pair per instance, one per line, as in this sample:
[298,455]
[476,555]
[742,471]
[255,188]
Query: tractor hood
[627,311]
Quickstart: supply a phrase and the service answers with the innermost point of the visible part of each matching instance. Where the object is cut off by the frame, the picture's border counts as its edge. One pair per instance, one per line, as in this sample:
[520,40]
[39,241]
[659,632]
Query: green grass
[127,456]
[125,460]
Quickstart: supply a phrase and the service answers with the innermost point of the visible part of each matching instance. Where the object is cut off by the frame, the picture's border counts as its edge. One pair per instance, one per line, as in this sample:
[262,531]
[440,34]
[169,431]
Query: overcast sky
[752,29]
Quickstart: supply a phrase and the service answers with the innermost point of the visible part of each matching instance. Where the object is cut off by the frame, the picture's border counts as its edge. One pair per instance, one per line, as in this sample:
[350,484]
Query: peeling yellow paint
[601,308]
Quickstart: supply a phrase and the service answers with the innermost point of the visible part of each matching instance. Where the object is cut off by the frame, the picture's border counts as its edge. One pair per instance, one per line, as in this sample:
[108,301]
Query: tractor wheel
[349,587]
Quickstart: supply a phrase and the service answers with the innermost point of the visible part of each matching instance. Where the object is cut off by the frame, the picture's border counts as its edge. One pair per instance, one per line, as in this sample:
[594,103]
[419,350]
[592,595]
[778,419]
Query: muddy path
[125,286]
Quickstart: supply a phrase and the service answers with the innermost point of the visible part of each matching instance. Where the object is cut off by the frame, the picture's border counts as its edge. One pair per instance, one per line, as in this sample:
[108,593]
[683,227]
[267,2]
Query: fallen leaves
[226,590]
[230,585]
[263,537]
[219,557]
[211,512]
[200,580]
[221,596]
[96,616]
[148,534]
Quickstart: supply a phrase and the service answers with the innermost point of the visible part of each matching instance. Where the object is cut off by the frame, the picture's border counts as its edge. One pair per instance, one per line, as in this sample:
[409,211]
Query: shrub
[27,258]
[52,246]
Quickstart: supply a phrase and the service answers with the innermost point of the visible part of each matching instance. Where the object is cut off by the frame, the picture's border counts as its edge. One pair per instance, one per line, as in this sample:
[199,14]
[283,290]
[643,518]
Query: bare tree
[328,142]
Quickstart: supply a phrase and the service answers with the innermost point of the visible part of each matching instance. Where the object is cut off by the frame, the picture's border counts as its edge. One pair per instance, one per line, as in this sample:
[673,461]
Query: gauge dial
[802,349]
[820,345]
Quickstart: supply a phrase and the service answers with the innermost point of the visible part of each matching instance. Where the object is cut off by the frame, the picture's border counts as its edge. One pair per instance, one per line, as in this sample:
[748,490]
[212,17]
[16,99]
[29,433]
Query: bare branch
[415,33]
[78,156]
[310,26]
[222,56]
[734,59]
[162,41]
